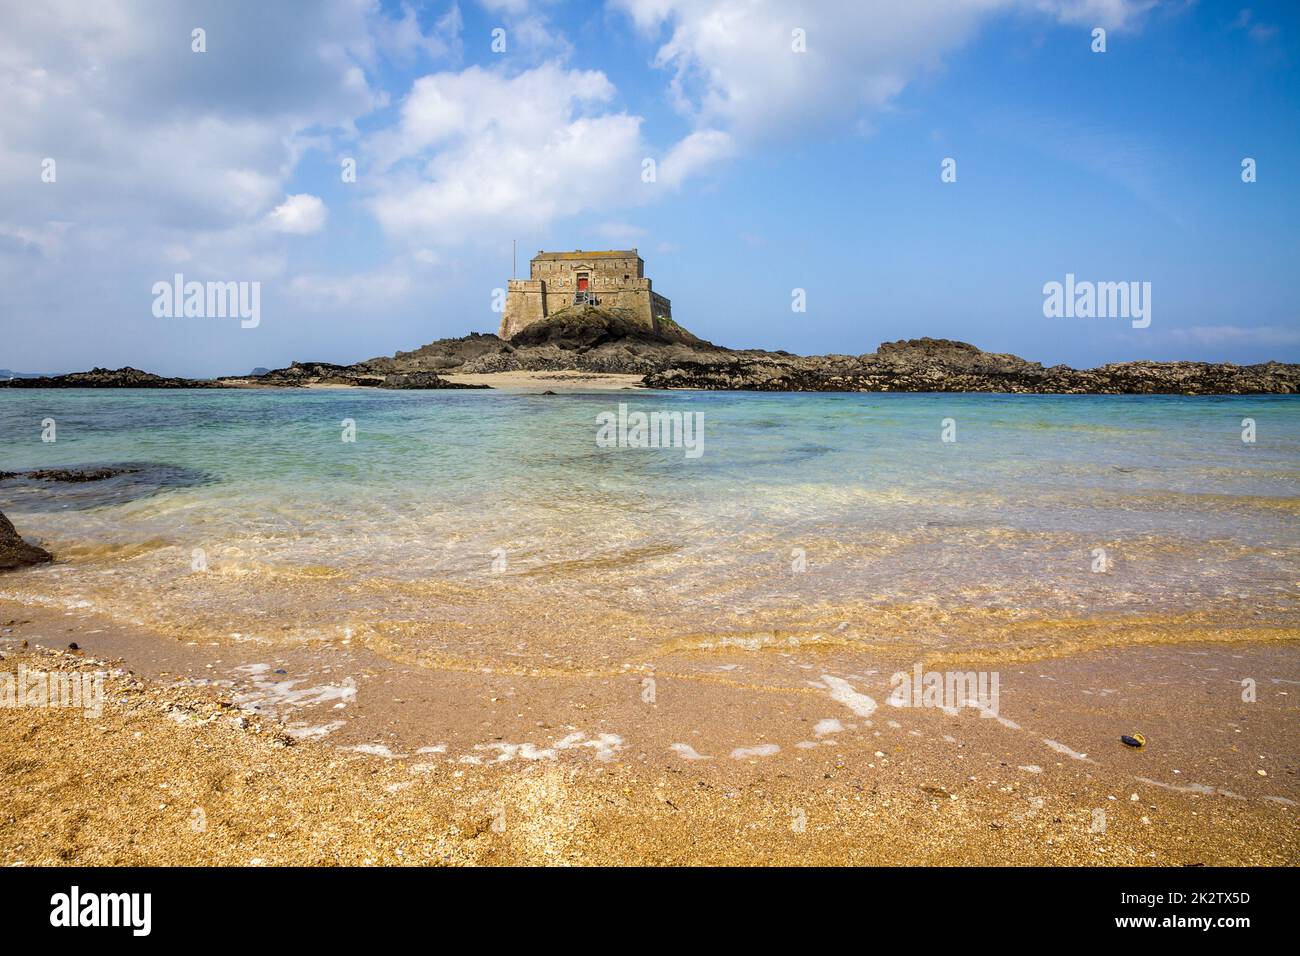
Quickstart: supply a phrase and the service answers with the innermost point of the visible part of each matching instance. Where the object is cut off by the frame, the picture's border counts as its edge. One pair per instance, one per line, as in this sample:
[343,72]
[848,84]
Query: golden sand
[179,775]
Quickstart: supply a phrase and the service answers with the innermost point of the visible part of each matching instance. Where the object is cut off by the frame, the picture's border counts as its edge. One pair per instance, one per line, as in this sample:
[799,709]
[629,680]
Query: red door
[582,283]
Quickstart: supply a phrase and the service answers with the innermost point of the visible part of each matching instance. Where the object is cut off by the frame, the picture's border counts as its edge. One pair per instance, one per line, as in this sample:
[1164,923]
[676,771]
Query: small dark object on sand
[1137,740]
[548,392]
[73,646]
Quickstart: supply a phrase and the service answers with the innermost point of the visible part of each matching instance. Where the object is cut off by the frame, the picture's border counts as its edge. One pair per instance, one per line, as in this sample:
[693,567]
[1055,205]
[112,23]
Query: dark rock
[125,377]
[74,646]
[580,339]
[92,486]
[440,356]
[15,552]
[585,327]
[422,380]
[303,373]
[375,374]
[941,365]
[71,474]
[594,339]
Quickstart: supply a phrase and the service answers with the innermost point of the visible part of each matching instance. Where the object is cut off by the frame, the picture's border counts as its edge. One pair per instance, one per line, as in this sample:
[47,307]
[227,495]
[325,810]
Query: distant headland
[593,339]
[597,313]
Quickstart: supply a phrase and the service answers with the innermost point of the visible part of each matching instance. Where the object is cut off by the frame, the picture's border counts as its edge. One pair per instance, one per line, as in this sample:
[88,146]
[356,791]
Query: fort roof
[589,254]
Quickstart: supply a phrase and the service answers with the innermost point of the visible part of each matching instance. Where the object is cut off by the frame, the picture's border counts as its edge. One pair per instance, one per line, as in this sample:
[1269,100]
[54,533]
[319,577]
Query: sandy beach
[553,381]
[208,754]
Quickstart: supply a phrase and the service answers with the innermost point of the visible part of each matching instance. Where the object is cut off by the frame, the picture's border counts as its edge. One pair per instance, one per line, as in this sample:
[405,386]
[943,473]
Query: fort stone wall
[612,279]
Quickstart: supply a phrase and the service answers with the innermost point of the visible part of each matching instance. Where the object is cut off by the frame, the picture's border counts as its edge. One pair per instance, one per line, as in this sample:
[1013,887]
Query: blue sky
[776,170]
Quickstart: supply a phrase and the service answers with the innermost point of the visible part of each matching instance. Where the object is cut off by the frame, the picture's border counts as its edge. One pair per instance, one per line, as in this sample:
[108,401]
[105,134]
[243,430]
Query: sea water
[493,528]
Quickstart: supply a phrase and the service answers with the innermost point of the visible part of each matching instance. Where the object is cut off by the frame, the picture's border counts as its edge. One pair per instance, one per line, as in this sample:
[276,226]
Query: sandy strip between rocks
[554,381]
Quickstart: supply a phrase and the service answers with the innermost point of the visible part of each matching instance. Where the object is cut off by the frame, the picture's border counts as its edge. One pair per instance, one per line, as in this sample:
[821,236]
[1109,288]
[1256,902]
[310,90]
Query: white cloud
[734,66]
[401,40]
[1259,32]
[170,160]
[159,148]
[480,155]
[505,6]
[529,34]
[694,153]
[45,240]
[147,132]
[300,214]
[364,291]
[1111,14]
[620,233]
[1236,335]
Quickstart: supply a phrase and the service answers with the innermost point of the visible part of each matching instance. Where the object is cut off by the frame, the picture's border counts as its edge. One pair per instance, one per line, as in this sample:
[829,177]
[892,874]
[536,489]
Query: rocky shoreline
[125,377]
[301,374]
[941,365]
[602,341]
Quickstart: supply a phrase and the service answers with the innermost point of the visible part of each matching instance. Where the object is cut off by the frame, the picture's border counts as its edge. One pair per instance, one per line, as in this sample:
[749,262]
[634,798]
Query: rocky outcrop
[941,365]
[125,377]
[307,373]
[584,338]
[592,339]
[15,552]
[421,380]
[588,326]
[442,355]
[301,374]
[93,486]
[74,475]
[605,341]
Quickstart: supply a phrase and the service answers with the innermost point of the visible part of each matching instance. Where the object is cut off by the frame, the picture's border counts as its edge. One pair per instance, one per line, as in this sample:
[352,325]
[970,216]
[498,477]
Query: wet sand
[747,755]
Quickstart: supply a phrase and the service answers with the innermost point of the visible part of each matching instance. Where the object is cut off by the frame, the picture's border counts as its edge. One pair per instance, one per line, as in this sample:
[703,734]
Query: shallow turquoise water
[466,512]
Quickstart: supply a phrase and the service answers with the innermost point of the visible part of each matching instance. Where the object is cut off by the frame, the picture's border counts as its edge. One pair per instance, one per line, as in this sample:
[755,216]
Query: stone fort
[611,279]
